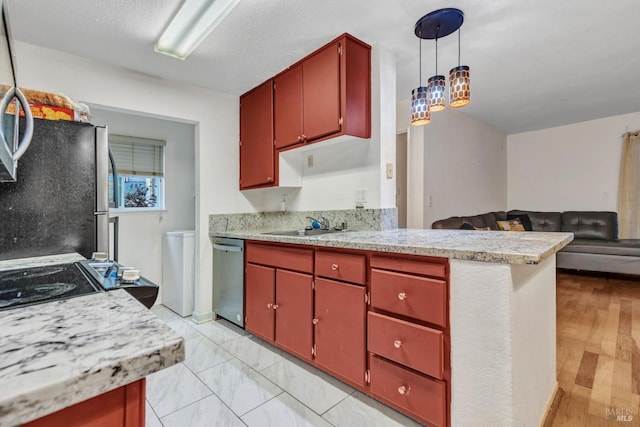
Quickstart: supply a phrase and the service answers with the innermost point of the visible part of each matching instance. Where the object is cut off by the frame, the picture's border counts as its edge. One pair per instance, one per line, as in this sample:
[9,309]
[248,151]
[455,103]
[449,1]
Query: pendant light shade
[459,86]
[419,107]
[434,25]
[436,87]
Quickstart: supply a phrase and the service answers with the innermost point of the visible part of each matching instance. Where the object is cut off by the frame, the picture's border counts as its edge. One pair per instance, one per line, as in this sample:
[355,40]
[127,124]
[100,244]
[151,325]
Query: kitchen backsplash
[356,219]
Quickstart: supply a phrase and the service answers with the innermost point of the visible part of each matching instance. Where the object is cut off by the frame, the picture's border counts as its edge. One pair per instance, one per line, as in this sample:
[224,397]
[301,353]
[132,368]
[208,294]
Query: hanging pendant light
[459,83]
[434,25]
[419,104]
[436,86]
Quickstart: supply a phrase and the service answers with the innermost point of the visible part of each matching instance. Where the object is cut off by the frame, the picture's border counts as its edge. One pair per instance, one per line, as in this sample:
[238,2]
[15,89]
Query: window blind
[137,156]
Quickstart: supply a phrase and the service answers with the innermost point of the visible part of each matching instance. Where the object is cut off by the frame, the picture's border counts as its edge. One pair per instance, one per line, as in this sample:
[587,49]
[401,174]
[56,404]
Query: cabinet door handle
[304,137]
[402,296]
[315,321]
[269,179]
[269,305]
[404,390]
[334,267]
[300,138]
[275,306]
[397,343]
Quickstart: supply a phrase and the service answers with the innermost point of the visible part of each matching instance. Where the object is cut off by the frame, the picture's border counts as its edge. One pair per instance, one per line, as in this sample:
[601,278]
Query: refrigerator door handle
[102,169]
[102,232]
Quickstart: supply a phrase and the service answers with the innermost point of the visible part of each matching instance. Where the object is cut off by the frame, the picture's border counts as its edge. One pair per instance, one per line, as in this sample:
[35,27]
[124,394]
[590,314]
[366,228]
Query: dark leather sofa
[595,247]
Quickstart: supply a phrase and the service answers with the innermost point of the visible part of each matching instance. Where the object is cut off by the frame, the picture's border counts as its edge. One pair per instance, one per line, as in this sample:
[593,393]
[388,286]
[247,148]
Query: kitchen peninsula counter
[489,246]
[501,312]
[63,352]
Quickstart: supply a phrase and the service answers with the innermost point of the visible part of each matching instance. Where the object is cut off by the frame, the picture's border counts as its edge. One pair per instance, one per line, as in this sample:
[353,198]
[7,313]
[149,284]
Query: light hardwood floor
[598,354]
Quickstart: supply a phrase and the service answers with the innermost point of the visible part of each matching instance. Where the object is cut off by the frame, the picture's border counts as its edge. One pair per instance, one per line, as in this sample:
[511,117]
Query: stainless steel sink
[302,233]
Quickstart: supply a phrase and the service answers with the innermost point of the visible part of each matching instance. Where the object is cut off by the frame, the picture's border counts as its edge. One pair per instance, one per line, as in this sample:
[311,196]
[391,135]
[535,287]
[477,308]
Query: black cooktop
[39,284]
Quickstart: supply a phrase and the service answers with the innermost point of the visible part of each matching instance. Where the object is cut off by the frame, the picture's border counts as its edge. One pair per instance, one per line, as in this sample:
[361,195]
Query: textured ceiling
[534,64]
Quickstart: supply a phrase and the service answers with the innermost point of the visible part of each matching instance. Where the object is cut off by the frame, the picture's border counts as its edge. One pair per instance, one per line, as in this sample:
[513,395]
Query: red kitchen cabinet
[279,301]
[257,155]
[294,311]
[260,290]
[122,407]
[287,106]
[321,92]
[326,94]
[340,316]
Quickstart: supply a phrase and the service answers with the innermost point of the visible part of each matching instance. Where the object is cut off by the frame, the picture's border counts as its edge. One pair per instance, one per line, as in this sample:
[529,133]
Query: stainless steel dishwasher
[228,279]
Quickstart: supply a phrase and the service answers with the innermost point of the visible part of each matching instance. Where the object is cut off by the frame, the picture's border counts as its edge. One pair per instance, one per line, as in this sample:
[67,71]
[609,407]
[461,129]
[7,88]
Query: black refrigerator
[59,203]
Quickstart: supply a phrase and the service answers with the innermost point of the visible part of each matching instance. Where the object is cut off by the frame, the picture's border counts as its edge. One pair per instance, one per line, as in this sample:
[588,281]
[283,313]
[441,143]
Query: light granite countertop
[490,246]
[59,353]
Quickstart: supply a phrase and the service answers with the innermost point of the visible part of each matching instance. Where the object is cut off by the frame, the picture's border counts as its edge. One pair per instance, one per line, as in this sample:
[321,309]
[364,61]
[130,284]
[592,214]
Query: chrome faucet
[324,222]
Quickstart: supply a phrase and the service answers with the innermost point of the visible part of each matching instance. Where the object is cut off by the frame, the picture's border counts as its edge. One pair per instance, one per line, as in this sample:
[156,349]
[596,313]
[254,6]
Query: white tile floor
[230,378]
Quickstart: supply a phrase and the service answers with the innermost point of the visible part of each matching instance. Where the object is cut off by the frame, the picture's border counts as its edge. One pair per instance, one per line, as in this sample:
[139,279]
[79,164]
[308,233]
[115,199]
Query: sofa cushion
[624,247]
[524,220]
[541,221]
[491,219]
[591,225]
[510,225]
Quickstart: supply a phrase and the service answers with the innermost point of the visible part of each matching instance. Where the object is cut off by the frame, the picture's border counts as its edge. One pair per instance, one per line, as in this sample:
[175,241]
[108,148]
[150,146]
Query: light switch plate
[389,170]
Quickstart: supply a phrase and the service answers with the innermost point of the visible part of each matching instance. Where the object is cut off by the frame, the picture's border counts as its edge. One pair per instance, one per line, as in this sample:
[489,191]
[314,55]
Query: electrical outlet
[429,201]
[389,170]
[310,161]
[361,195]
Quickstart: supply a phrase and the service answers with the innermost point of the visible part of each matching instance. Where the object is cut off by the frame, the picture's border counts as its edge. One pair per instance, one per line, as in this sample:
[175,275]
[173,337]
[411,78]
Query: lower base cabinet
[378,322]
[122,407]
[422,397]
[279,302]
[340,329]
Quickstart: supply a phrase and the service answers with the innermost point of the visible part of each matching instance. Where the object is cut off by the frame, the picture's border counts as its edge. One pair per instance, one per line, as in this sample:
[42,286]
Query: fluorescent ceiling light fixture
[191,25]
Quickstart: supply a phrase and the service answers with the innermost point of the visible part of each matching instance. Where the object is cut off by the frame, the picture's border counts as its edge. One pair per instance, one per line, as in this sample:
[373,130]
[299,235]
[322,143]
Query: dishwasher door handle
[227,248]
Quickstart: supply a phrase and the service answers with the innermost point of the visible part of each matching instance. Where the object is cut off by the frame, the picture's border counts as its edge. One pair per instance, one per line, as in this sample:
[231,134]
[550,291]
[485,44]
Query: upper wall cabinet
[257,166]
[327,94]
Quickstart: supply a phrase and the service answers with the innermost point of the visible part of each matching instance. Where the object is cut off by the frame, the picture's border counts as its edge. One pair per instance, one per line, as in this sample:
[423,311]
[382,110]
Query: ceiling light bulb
[191,25]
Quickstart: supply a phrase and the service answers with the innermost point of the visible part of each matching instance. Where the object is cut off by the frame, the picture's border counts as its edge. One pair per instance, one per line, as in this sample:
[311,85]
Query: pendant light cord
[420,66]
[437,55]
[458,47]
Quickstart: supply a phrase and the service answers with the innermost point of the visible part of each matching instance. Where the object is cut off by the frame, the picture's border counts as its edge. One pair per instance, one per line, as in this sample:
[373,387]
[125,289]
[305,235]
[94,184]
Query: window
[140,173]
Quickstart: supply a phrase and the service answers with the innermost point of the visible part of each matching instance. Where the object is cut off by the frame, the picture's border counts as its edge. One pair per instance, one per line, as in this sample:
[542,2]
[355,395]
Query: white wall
[215,116]
[140,236]
[573,167]
[465,167]
[511,380]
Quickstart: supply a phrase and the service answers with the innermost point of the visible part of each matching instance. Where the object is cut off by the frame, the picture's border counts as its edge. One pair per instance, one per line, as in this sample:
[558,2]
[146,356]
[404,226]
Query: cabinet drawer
[413,296]
[405,265]
[421,397]
[291,258]
[341,266]
[415,346]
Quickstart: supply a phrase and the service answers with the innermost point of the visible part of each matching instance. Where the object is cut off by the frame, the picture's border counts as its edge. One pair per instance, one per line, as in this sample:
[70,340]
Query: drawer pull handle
[402,296]
[269,305]
[334,267]
[315,321]
[275,306]
[404,390]
[397,343]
